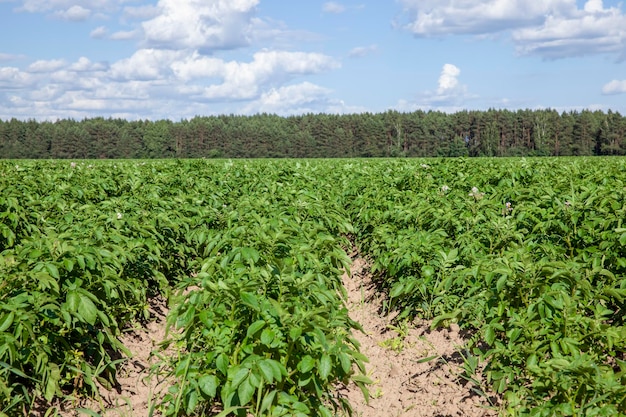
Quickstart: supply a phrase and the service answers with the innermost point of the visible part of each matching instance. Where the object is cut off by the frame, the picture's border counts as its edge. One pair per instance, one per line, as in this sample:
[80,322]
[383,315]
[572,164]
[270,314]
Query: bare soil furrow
[406,383]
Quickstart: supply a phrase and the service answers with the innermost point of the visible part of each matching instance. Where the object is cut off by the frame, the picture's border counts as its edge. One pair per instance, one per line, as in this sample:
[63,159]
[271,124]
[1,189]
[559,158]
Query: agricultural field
[525,257]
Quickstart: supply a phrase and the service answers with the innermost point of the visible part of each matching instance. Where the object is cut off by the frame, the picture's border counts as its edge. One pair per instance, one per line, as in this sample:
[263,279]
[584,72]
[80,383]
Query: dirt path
[404,386]
[138,389]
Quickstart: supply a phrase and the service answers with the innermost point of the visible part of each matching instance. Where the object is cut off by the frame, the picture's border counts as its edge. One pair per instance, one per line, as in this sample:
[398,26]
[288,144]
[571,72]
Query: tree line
[417,134]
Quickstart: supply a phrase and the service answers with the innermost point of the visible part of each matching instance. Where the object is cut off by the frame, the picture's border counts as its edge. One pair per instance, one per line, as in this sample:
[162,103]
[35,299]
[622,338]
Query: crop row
[251,260]
[80,256]
[263,327]
[527,255]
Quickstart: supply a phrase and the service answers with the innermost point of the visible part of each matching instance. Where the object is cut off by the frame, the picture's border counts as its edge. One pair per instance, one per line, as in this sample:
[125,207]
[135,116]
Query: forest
[544,132]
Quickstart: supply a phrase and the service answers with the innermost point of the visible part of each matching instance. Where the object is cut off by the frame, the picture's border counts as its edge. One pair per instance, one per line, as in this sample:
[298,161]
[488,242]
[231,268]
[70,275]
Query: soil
[405,382]
[139,388]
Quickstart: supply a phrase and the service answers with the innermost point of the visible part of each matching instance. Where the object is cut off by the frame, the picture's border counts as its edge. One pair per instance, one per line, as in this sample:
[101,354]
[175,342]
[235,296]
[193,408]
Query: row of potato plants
[528,255]
[262,325]
[82,248]
[253,250]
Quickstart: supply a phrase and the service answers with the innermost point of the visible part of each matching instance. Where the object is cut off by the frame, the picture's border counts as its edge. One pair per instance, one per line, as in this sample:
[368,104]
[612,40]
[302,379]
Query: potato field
[526,256]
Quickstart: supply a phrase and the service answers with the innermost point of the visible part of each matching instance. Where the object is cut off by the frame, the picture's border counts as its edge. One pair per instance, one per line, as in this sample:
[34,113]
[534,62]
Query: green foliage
[502,133]
[527,255]
[85,244]
[79,258]
[262,323]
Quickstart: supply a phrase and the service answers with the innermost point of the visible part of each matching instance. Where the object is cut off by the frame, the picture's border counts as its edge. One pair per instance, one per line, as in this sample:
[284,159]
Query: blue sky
[176,59]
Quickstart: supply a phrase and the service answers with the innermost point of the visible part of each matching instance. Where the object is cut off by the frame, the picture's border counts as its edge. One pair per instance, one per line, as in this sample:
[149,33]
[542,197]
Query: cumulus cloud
[361,51]
[592,30]
[12,78]
[84,89]
[614,87]
[46,65]
[448,80]
[177,67]
[449,96]
[289,99]
[177,83]
[84,64]
[98,33]
[243,80]
[333,7]
[144,64]
[549,28]
[75,14]
[124,35]
[140,12]
[69,9]
[7,57]
[299,98]
[445,17]
[593,6]
[450,93]
[201,25]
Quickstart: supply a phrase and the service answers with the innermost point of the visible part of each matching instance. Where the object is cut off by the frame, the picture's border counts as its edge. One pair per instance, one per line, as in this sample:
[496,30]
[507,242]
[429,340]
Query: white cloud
[98,33]
[202,25]
[448,80]
[12,78]
[171,69]
[69,9]
[75,14]
[84,64]
[46,93]
[333,7]
[450,92]
[583,32]
[450,95]
[144,64]
[244,80]
[46,65]
[549,28]
[615,87]
[593,6]
[299,98]
[141,12]
[7,57]
[177,84]
[69,93]
[171,80]
[195,66]
[361,51]
[124,35]
[445,17]
[290,99]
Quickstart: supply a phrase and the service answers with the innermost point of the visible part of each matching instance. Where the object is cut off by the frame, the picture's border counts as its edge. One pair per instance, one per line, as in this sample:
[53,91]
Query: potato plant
[262,324]
[527,255]
[84,244]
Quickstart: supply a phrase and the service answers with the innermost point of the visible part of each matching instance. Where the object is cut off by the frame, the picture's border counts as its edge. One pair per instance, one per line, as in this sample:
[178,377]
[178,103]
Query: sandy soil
[405,384]
[139,389]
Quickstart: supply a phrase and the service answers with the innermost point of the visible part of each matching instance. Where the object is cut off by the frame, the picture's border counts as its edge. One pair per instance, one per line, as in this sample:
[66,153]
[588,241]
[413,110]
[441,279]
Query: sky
[177,59]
